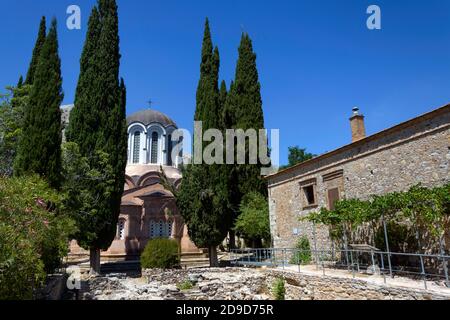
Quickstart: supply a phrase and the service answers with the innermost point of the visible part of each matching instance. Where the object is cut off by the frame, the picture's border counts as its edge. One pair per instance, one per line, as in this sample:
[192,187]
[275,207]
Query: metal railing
[425,267]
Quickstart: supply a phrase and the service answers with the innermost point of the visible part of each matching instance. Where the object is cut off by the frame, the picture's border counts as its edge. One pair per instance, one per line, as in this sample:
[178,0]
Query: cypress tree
[203,198]
[205,86]
[39,149]
[36,52]
[83,125]
[98,126]
[249,112]
[243,110]
[223,94]
[20,82]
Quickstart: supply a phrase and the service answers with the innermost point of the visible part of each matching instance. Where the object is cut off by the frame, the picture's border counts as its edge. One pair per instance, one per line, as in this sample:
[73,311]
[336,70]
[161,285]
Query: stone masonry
[416,151]
[245,284]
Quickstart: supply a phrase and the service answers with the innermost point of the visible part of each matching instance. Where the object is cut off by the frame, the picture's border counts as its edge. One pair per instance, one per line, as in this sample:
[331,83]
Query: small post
[423,272]
[298,260]
[382,267]
[284,257]
[357,261]
[346,248]
[315,245]
[373,261]
[387,246]
[351,260]
[323,265]
[332,251]
[444,263]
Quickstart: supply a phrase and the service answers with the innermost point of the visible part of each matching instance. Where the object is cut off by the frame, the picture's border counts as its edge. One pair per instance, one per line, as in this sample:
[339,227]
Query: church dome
[149,116]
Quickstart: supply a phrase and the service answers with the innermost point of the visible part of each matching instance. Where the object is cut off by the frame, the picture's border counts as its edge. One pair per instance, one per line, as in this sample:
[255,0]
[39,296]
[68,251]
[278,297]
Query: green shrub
[34,235]
[303,256]
[279,289]
[253,222]
[185,285]
[160,254]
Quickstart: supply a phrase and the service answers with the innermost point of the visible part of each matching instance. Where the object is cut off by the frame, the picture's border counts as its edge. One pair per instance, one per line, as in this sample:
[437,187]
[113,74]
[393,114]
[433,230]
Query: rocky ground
[207,284]
[253,284]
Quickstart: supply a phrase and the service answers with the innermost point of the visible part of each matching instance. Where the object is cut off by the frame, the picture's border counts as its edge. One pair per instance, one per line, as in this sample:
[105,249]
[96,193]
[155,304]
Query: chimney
[357,124]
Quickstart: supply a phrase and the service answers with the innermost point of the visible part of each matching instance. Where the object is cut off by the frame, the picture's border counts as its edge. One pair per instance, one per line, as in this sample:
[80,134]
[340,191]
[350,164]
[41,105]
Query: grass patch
[185,285]
[279,289]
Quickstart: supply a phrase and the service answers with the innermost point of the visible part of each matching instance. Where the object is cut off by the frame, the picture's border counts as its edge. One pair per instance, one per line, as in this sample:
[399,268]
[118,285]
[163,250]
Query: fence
[427,267]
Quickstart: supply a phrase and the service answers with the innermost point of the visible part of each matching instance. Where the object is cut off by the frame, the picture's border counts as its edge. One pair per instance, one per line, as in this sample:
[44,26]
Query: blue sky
[316,58]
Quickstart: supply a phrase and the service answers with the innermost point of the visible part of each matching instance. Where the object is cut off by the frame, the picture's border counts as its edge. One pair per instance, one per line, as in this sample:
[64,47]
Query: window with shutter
[333,197]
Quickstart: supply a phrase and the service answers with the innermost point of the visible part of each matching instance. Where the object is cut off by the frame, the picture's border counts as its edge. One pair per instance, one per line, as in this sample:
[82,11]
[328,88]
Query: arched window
[169,228]
[169,150]
[154,158]
[152,229]
[161,229]
[136,147]
[121,230]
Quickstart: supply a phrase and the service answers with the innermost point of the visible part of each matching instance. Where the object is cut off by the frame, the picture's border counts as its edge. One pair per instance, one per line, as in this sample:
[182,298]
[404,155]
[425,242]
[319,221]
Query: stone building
[416,151]
[148,210]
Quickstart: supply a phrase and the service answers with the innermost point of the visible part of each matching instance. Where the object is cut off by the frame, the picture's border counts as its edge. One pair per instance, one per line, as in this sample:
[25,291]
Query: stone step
[187,255]
[197,264]
[121,267]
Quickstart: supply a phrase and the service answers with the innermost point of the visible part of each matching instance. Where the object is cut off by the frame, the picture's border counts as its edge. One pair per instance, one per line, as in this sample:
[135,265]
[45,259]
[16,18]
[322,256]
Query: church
[148,210]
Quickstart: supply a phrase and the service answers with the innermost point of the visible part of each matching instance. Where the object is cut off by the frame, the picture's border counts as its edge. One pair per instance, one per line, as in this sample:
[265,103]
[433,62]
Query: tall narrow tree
[39,148]
[243,110]
[83,125]
[19,103]
[36,52]
[20,82]
[98,126]
[223,95]
[202,198]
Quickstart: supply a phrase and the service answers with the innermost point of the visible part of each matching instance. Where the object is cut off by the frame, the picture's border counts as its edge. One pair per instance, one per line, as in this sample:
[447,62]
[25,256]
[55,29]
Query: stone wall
[244,284]
[417,151]
[308,287]
[207,284]
[54,288]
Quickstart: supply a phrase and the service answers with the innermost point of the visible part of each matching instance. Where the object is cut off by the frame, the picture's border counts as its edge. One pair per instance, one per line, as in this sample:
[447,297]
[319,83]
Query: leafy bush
[160,254]
[185,285]
[12,107]
[89,184]
[279,289]
[419,210]
[253,223]
[34,235]
[303,256]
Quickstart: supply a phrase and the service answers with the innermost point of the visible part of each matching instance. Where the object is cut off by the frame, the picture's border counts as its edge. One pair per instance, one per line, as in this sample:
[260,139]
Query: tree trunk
[213,261]
[257,244]
[94,259]
[232,243]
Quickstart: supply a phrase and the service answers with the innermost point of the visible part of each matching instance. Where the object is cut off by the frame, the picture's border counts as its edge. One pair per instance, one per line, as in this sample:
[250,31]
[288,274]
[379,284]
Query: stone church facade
[416,151]
[148,210]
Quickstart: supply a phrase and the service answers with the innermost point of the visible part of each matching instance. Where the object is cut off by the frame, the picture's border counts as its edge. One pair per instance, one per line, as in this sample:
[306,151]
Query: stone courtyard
[207,284]
[254,284]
